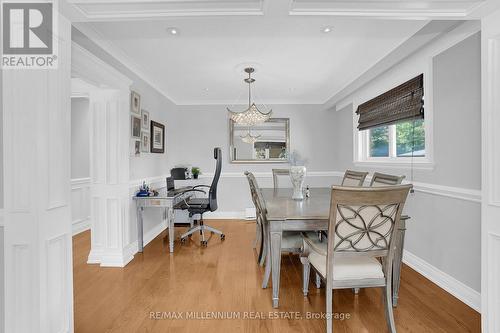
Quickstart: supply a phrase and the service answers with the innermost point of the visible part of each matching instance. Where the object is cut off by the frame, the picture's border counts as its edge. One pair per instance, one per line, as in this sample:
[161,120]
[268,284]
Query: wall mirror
[263,143]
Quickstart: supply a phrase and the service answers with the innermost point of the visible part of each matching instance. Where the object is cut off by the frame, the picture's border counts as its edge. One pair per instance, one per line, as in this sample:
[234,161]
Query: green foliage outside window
[410,136]
[379,141]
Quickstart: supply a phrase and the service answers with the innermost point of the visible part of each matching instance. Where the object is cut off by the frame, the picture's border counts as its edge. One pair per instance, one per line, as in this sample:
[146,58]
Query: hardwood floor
[225,277]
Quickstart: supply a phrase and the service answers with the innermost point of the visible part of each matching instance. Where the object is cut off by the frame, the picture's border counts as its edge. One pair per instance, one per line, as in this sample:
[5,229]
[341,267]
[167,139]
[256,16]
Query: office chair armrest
[193,190]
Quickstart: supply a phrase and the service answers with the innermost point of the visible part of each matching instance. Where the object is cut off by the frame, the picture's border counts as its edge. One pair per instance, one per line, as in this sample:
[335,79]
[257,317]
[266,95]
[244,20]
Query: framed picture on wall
[135,103]
[157,137]
[145,120]
[145,142]
[137,148]
[136,127]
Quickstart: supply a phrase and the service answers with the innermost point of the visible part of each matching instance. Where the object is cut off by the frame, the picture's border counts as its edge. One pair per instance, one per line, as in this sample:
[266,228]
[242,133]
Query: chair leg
[318,281]
[257,235]
[212,229]
[262,248]
[267,270]
[329,309]
[355,290]
[389,314]
[190,231]
[201,227]
[306,270]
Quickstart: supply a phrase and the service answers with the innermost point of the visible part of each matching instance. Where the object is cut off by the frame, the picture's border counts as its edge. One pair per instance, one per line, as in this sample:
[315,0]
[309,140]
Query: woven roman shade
[405,102]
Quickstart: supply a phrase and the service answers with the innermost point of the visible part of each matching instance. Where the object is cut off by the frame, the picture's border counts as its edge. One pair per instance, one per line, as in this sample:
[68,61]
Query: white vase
[297,174]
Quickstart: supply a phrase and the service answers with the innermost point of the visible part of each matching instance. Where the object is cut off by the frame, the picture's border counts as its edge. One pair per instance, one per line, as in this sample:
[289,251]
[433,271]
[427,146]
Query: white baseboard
[79,226]
[458,289]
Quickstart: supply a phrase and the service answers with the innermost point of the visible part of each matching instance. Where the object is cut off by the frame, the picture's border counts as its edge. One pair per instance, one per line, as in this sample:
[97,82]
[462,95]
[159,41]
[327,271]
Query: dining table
[310,214]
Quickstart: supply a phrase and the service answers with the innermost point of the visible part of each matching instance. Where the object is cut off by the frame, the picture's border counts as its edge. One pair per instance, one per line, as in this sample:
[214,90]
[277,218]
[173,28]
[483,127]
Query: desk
[165,200]
[311,214]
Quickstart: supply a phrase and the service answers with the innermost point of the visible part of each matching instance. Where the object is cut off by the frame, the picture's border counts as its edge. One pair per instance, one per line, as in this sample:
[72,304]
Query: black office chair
[203,205]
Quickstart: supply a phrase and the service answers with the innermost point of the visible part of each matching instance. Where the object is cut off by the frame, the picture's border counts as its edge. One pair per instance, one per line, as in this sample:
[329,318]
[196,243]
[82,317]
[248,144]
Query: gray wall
[80,138]
[201,128]
[443,231]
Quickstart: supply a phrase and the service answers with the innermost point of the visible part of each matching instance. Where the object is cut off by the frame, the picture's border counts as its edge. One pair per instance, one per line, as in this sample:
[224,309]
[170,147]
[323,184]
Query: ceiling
[296,62]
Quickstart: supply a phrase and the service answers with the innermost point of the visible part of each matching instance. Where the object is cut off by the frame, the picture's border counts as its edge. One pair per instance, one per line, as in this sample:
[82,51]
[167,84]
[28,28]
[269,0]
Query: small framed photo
[157,137]
[145,120]
[135,103]
[145,142]
[136,127]
[137,148]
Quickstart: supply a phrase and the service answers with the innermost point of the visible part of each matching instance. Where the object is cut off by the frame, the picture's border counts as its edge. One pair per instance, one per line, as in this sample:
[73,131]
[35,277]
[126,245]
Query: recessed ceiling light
[173,31]
[327,29]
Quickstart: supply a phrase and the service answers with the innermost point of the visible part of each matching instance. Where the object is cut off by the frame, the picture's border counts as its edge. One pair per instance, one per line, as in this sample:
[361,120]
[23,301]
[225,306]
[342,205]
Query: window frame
[361,139]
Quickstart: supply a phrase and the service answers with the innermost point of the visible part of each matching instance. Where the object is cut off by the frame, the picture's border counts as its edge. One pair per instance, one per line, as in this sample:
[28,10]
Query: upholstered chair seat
[344,268]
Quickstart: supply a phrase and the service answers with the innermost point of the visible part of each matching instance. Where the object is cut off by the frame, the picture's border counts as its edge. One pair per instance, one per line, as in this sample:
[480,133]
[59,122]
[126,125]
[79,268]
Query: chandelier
[252,115]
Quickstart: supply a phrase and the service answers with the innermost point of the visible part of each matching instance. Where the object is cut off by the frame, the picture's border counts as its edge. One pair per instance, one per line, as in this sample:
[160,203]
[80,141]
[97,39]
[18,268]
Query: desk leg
[276,234]
[140,241]
[398,262]
[171,228]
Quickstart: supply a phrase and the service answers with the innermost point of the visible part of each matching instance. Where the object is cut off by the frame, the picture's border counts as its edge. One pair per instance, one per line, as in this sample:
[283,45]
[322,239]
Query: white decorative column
[109,157]
[490,203]
[38,243]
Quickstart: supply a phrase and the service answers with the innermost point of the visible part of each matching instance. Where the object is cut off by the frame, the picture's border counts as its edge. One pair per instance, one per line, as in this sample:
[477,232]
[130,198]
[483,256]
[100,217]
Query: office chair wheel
[222,237]
[204,243]
[183,240]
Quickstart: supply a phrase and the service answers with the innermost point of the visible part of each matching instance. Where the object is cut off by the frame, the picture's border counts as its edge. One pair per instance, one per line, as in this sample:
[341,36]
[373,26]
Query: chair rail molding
[109,155]
[429,188]
[37,225]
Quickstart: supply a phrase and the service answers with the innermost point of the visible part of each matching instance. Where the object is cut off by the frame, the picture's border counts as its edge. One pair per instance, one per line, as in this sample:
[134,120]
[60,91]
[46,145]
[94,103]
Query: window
[391,128]
[379,141]
[402,140]
[394,144]
[410,139]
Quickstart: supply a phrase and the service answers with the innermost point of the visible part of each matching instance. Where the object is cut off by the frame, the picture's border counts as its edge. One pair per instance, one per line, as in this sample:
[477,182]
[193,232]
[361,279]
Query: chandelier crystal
[252,115]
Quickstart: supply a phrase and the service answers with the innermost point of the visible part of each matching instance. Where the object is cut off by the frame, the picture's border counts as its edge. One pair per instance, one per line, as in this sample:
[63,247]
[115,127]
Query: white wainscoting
[80,205]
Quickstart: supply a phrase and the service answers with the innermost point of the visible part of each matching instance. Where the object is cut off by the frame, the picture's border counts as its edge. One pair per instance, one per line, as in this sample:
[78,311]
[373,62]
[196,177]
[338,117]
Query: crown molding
[121,56]
[269,102]
[392,9]
[120,10]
